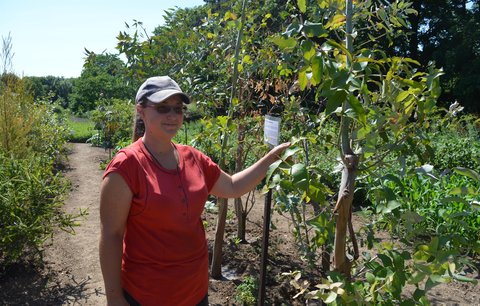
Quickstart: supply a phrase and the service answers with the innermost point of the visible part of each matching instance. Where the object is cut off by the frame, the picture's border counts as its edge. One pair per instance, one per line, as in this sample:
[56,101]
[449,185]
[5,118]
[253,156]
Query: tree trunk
[216,270]
[239,164]
[343,211]
[241,219]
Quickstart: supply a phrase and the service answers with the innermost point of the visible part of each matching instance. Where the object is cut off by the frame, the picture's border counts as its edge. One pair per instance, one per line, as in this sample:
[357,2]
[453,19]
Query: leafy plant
[30,211]
[300,194]
[424,204]
[111,118]
[382,278]
[454,142]
[33,135]
[246,291]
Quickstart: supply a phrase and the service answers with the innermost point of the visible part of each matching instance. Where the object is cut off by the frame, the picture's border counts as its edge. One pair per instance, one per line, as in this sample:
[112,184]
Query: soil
[71,274]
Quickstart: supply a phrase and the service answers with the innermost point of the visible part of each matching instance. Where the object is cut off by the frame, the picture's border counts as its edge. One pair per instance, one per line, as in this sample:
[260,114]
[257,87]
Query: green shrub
[426,204]
[31,197]
[246,291]
[456,143]
[32,141]
[113,120]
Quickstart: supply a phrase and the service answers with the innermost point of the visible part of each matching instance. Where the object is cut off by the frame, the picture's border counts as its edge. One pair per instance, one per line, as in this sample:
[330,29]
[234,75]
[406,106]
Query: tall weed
[32,140]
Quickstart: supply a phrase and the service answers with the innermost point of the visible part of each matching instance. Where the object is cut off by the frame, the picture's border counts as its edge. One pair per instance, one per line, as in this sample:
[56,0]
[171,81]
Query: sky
[49,37]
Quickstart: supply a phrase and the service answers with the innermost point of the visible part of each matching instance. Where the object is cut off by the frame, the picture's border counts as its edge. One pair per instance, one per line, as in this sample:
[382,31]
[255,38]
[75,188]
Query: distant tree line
[448,33]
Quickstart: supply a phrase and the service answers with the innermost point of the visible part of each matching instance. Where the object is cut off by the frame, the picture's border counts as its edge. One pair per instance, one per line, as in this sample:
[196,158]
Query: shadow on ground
[29,284]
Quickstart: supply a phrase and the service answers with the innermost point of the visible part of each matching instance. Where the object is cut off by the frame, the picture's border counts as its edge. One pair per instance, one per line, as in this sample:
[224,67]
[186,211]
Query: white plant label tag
[271,130]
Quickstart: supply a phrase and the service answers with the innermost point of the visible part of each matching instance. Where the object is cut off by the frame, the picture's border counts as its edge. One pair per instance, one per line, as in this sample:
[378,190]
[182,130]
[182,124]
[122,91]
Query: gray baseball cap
[159,88]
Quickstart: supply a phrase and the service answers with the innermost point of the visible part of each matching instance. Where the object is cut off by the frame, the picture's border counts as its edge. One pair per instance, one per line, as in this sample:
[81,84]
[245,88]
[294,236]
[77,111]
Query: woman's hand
[276,153]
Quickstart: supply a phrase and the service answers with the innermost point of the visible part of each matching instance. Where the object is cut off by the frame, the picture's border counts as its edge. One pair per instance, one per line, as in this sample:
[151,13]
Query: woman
[153,249]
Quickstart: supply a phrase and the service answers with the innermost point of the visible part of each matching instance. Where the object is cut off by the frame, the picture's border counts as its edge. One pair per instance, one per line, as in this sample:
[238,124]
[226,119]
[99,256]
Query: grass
[82,129]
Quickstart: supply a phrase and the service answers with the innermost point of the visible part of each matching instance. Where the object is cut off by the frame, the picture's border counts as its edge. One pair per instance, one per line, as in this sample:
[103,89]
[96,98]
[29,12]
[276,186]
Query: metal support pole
[265,237]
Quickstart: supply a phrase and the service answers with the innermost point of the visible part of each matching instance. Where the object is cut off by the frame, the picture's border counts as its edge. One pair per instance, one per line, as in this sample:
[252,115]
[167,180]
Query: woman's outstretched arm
[234,186]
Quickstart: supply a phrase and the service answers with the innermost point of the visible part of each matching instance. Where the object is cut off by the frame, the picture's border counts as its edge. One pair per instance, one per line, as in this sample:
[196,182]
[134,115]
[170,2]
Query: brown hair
[138,124]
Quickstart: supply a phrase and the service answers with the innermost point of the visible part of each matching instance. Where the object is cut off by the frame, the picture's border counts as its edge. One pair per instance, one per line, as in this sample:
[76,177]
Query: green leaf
[391,205]
[315,191]
[272,169]
[463,191]
[342,48]
[223,121]
[302,5]
[370,277]
[391,177]
[332,296]
[468,173]
[402,96]
[317,70]
[285,43]
[300,176]
[439,278]
[416,277]
[387,262]
[430,283]
[302,80]
[314,30]
[334,100]
[358,109]
[290,152]
[398,261]
[463,278]
[307,49]
[293,29]
[418,294]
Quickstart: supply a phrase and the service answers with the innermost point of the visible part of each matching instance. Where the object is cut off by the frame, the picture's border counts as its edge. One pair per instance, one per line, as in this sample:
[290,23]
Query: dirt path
[75,257]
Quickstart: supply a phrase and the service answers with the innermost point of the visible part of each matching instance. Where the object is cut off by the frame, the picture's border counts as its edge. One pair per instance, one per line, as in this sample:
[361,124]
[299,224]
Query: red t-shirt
[165,254]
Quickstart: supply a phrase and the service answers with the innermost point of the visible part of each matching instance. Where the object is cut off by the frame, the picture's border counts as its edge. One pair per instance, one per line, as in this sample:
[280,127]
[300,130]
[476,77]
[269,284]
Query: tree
[375,98]
[57,89]
[449,36]
[103,77]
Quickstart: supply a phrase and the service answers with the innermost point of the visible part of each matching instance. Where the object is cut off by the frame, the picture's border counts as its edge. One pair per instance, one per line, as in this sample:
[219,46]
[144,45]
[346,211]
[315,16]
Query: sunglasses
[164,109]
